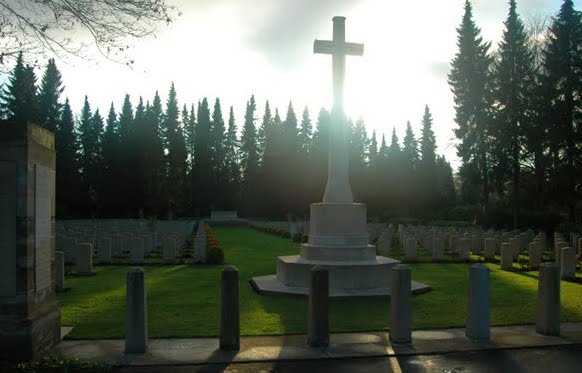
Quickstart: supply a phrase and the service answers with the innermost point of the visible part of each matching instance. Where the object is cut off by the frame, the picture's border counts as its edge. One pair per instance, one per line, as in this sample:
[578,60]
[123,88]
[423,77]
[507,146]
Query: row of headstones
[82,254]
[400,316]
[291,226]
[106,247]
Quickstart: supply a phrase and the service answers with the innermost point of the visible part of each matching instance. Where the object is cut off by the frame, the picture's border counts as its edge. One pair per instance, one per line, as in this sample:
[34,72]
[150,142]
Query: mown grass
[183,300]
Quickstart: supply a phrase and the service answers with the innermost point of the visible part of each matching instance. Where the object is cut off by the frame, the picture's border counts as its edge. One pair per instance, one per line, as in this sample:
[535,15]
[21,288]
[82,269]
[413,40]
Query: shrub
[305,238]
[214,255]
[297,237]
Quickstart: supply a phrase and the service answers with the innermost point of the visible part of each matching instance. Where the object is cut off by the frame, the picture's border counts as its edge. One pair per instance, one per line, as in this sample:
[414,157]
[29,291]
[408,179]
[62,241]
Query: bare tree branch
[38,27]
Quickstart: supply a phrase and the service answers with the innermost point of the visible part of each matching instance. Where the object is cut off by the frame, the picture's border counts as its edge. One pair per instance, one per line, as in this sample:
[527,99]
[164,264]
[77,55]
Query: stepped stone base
[346,279]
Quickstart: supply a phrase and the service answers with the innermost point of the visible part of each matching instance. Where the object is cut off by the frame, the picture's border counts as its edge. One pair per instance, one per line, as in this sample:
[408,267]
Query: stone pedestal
[338,243]
[29,312]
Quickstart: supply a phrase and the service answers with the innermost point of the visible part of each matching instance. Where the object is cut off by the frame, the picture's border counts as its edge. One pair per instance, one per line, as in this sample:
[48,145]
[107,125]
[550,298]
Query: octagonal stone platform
[369,278]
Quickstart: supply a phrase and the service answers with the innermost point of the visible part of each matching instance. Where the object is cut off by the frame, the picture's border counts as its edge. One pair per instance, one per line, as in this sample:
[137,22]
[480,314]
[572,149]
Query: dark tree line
[162,159]
[519,112]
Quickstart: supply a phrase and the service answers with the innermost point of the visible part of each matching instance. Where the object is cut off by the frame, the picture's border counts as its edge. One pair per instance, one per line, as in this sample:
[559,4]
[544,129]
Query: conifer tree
[469,80]
[190,134]
[125,120]
[202,175]
[249,150]
[68,180]
[20,98]
[513,87]
[410,149]
[563,63]
[427,143]
[49,95]
[262,132]
[305,133]
[111,167]
[232,170]
[216,147]
[373,149]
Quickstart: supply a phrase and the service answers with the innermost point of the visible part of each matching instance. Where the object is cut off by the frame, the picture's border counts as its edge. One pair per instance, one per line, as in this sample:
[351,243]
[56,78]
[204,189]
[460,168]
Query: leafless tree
[70,27]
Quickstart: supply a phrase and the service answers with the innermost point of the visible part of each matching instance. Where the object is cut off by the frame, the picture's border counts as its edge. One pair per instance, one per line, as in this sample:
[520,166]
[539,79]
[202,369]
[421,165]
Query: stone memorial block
[147,243]
[29,311]
[514,247]
[478,307]
[104,247]
[463,249]
[410,249]
[548,303]
[438,251]
[169,250]
[84,259]
[535,255]
[136,324]
[568,263]
[383,246]
[559,245]
[506,257]
[489,251]
[116,245]
[136,250]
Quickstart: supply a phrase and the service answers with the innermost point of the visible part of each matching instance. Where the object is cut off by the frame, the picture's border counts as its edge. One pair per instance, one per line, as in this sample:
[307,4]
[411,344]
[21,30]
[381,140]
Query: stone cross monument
[338,235]
[337,189]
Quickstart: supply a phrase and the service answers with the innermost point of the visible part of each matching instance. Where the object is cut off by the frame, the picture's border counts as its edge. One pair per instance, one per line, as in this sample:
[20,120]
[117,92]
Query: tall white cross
[338,189]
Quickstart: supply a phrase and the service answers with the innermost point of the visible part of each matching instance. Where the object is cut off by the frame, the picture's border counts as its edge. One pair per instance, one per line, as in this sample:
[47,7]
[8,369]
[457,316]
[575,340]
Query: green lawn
[183,300]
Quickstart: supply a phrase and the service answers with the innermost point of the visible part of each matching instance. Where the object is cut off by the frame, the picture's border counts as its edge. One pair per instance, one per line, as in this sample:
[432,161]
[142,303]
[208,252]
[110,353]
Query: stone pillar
[84,259]
[548,305]
[401,305]
[59,271]
[568,263]
[29,311]
[318,311]
[136,324]
[478,308]
[489,251]
[229,310]
[410,249]
[506,257]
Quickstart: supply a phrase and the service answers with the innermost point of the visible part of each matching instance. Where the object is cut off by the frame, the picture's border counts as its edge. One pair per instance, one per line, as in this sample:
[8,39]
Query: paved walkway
[292,350]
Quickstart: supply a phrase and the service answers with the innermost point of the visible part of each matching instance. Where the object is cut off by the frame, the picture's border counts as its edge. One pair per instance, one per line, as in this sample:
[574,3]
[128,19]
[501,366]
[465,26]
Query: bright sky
[233,48]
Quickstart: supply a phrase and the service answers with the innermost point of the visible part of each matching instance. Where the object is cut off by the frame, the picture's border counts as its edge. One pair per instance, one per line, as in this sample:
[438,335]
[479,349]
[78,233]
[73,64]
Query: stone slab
[269,285]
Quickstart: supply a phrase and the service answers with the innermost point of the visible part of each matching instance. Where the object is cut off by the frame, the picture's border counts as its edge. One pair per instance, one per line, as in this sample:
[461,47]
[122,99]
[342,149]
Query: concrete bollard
[401,305]
[568,263]
[318,311]
[506,257]
[136,324]
[84,258]
[478,307]
[229,310]
[60,271]
[548,306]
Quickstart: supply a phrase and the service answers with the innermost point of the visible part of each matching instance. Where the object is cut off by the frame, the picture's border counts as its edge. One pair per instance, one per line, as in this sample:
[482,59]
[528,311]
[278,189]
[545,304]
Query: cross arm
[328,47]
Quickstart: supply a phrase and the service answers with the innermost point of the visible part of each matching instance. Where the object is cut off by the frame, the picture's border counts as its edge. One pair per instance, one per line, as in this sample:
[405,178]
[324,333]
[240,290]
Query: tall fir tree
[563,65]
[305,133]
[232,169]
[111,167]
[202,175]
[20,95]
[512,90]
[470,83]
[217,156]
[410,149]
[249,151]
[51,88]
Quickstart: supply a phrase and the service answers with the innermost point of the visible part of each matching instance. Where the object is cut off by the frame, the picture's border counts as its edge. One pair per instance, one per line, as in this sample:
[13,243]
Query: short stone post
[478,308]
[84,258]
[548,306]
[318,311]
[506,257]
[229,310]
[568,263]
[136,324]
[401,305]
[60,270]
[489,250]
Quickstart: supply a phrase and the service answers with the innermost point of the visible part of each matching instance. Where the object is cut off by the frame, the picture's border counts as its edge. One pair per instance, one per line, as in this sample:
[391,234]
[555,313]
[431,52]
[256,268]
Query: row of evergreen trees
[157,159]
[519,113]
